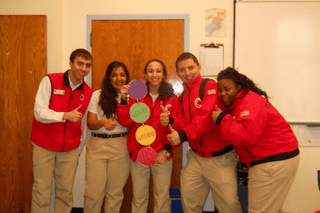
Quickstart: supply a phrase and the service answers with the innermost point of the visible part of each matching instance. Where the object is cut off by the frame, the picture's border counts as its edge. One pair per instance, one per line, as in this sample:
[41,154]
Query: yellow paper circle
[145,135]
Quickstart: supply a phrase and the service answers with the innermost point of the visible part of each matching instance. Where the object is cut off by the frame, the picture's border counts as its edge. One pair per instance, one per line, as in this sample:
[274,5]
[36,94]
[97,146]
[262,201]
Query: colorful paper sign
[147,156]
[145,135]
[138,89]
[139,112]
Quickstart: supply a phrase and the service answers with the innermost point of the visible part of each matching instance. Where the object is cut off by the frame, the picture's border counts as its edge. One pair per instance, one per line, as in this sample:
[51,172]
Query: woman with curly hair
[107,157]
[261,137]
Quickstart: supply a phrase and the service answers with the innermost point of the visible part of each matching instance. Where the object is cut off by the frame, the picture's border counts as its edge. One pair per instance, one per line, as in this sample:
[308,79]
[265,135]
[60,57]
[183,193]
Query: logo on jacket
[212,91]
[81,97]
[244,113]
[196,102]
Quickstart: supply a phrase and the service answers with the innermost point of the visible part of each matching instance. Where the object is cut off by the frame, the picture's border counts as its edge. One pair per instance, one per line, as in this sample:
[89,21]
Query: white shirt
[41,106]
[96,109]
[154,97]
[45,115]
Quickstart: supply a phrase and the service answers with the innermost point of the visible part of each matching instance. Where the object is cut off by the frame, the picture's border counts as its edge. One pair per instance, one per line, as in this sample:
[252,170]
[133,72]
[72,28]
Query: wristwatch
[166,153]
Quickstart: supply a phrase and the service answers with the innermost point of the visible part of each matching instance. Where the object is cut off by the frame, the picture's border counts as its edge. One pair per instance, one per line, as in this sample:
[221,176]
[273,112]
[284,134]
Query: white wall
[304,195]
[66,30]
[67,21]
[74,19]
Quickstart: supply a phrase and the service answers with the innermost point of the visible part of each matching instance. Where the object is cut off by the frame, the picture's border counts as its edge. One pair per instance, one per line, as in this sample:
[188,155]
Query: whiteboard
[277,45]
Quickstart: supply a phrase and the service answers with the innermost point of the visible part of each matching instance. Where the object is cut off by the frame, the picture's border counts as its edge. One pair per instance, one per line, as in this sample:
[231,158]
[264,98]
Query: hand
[164,117]
[215,114]
[174,137]
[74,115]
[124,90]
[108,123]
[161,159]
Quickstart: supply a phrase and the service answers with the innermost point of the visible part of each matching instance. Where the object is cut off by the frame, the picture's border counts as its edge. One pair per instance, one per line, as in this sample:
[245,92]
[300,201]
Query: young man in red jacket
[60,103]
[211,161]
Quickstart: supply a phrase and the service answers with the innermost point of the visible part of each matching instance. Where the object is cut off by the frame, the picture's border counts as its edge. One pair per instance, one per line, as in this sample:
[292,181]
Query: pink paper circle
[147,156]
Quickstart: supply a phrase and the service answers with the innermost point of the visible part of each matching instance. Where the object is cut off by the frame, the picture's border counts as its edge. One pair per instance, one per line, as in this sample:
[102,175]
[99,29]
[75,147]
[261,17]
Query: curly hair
[242,80]
[165,89]
[107,101]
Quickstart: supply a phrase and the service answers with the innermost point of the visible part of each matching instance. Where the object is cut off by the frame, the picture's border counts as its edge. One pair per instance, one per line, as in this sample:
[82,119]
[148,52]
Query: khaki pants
[217,174]
[107,171]
[269,185]
[161,175]
[61,165]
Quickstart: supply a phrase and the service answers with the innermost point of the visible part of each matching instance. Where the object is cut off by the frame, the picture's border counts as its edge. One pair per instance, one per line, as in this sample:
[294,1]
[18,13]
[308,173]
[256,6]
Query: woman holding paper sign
[262,138]
[107,157]
[153,138]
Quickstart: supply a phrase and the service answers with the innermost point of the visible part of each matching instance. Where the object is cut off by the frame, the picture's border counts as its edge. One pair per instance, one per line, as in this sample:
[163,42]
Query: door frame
[91,18]
[185,17]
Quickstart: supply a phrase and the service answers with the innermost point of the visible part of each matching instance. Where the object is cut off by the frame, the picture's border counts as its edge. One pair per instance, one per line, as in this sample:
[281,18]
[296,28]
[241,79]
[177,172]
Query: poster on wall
[216,22]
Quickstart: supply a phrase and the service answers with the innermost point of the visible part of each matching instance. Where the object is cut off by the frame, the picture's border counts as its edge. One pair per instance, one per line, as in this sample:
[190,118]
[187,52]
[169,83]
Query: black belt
[278,157]
[221,152]
[108,136]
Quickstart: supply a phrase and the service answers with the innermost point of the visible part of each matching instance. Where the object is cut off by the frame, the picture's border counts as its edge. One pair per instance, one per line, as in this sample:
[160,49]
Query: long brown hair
[108,102]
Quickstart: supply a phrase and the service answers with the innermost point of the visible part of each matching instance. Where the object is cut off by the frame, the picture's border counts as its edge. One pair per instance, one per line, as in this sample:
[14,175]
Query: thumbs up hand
[74,115]
[164,116]
[215,114]
[174,137]
[109,123]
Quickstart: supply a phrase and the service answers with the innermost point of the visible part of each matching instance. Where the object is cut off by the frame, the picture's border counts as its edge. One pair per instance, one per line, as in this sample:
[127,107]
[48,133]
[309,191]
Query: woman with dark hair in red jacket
[160,96]
[262,138]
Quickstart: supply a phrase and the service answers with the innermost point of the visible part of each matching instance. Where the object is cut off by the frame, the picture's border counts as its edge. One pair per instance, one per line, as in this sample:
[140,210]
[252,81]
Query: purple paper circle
[138,89]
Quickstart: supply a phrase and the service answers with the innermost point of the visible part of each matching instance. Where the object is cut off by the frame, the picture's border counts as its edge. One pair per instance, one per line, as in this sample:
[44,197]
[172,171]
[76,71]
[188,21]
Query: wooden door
[23,63]
[134,42]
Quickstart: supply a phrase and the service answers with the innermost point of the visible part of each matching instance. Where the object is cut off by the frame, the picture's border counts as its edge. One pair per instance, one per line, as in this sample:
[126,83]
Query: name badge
[58,92]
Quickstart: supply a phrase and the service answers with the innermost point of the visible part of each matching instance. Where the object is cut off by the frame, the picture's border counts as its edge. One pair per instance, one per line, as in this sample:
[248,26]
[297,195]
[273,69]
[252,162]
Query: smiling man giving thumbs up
[211,161]
[61,101]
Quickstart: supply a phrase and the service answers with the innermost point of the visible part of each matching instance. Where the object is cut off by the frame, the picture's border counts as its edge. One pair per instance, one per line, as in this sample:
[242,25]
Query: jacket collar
[193,82]
[67,83]
[239,95]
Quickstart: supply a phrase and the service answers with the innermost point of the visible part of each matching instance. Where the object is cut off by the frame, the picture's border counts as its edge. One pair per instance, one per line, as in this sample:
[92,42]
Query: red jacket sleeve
[176,114]
[248,126]
[176,110]
[123,113]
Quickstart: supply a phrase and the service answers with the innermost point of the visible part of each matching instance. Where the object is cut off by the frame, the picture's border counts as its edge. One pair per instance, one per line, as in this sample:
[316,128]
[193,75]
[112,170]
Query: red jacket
[201,131]
[62,136]
[256,129]
[154,121]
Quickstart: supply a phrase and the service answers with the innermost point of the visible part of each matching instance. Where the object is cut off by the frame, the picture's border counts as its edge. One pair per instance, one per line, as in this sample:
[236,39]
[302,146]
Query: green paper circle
[139,112]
